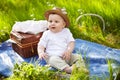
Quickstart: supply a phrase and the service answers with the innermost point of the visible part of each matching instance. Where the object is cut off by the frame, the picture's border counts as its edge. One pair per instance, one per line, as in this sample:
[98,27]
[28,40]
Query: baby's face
[56,23]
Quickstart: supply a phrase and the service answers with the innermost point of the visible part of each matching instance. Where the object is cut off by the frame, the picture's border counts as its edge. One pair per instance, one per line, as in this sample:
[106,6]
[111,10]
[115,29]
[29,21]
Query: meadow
[88,27]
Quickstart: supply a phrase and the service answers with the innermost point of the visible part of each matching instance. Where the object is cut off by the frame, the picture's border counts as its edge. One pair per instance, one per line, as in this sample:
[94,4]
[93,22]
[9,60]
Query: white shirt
[56,43]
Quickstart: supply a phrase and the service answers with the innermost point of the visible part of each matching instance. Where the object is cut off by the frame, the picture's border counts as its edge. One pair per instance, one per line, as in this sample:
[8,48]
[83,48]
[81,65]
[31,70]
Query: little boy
[57,43]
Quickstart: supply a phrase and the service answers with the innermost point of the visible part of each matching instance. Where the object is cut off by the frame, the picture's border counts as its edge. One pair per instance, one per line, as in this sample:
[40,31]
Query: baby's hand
[66,55]
[43,55]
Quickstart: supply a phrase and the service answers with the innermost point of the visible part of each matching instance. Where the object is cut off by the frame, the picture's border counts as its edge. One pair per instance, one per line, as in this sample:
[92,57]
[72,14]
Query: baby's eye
[56,21]
[50,21]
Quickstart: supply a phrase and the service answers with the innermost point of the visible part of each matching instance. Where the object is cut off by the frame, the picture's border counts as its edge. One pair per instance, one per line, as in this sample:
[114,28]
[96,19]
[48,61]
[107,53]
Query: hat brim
[64,16]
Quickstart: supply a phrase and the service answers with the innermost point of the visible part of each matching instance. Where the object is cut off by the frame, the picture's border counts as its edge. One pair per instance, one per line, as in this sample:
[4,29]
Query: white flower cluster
[63,10]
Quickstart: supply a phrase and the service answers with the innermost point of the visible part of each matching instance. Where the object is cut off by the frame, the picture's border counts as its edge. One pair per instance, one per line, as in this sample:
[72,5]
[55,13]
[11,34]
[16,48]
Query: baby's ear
[64,23]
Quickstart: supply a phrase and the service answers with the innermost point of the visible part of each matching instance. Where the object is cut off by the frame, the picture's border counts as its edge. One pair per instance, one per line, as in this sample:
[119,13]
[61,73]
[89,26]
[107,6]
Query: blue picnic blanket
[95,55]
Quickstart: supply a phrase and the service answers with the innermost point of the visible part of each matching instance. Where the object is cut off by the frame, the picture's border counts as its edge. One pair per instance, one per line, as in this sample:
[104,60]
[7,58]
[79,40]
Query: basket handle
[91,14]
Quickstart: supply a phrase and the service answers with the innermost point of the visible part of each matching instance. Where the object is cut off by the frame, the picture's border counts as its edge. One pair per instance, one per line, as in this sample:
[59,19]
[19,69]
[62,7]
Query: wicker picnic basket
[25,44]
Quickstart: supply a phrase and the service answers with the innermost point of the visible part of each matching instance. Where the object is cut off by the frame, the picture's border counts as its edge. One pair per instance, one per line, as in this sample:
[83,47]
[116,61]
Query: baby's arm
[41,53]
[67,53]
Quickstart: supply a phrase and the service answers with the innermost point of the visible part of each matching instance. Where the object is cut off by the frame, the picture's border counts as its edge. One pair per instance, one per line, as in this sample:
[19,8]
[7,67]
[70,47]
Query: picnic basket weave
[25,44]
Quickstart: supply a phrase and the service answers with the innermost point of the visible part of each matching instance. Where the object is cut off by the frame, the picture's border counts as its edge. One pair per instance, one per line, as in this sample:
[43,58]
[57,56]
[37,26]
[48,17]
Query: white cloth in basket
[30,26]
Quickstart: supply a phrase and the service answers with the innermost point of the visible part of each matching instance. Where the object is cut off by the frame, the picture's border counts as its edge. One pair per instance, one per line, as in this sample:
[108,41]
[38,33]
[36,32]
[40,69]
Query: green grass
[87,28]
[28,71]
[12,10]
[90,28]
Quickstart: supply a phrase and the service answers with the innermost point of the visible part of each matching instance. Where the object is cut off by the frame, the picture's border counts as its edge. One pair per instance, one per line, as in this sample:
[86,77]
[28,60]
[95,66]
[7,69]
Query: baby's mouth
[52,27]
